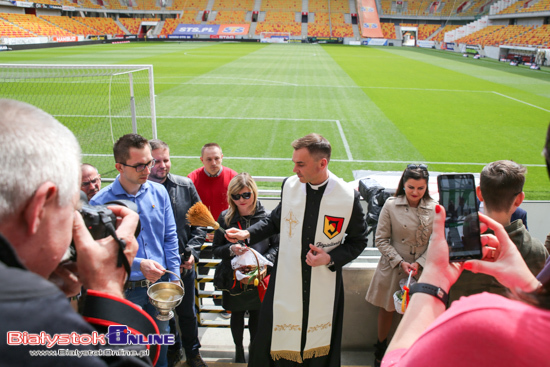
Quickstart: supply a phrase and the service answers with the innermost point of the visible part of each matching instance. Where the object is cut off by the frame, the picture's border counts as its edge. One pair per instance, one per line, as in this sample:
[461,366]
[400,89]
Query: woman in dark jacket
[244,210]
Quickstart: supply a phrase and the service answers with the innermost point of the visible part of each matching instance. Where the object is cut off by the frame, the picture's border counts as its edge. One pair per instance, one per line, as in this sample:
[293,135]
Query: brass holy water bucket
[166,296]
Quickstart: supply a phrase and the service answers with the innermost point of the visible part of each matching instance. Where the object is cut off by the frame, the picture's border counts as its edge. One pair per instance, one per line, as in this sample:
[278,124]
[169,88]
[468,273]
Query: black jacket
[183,196]
[30,303]
[238,297]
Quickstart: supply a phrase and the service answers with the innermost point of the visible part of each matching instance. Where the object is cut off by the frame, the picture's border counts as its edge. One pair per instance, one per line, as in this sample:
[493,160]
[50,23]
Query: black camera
[101,221]
[96,218]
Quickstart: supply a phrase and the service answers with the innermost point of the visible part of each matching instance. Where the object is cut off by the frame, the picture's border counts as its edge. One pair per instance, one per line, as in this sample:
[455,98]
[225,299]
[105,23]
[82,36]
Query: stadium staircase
[304,30]
[124,29]
[433,35]
[158,28]
[398,34]
[210,5]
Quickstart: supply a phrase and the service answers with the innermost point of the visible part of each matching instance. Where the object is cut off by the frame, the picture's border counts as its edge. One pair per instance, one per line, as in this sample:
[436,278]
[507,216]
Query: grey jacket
[183,196]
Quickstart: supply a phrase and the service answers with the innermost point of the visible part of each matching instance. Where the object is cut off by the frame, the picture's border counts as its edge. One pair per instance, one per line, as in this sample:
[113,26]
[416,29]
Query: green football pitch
[380,107]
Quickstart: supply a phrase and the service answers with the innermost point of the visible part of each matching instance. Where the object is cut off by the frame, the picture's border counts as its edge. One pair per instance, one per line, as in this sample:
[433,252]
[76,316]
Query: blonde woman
[244,210]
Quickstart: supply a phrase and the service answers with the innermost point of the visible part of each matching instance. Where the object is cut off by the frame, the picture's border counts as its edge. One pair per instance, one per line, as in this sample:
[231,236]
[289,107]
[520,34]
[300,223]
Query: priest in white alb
[322,228]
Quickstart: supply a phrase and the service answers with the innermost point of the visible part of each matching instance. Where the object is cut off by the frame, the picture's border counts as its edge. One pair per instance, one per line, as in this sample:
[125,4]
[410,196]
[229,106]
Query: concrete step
[218,350]
[231,364]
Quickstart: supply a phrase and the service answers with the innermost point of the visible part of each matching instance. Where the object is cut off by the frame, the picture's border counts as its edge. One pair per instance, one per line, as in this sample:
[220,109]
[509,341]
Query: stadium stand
[114,5]
[325,10]
[133,24]
[171,24]
[434,8]
[439,37]
[539,36]
[388,29]
[242,5]
[319,28]
[516,7]
[477,7]
[339,26]
[501,36]
[408,25]
[10,30]
[33,24]
[146,5]
[73,3]
[49,2]
[542,5]
[426,30]
[315,6]
[386,7]
[188,5]
[69,24]
[276,21]
[335,6]
[415,7]
[282,5]
[228,17]
[102,25]
[339,6]
[89,4]
[483,36]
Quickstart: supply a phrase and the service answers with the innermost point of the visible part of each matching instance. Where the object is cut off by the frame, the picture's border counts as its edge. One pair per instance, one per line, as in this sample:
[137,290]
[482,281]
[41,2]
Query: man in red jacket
[211,182]
[212,179]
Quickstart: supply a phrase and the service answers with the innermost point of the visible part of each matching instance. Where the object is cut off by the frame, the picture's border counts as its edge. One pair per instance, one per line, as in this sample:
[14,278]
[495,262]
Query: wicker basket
[250,280]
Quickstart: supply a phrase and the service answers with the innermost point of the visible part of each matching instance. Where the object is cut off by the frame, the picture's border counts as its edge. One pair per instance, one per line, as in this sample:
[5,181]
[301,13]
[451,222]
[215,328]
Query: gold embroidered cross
[292,222]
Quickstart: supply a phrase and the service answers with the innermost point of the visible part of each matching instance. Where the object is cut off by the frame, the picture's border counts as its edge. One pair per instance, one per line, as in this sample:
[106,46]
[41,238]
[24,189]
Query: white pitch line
[243,118]
[332,160]
[344,140]
[208,118]
[254,80]
[520,101]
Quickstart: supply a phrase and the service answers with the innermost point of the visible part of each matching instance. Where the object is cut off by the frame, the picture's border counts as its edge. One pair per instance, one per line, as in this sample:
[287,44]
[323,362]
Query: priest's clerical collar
[316,187]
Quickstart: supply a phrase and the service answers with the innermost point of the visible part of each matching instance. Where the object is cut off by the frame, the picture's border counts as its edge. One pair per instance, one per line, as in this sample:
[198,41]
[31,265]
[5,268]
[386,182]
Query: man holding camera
[158,241]
[501,191]
[37,221]
[183,196]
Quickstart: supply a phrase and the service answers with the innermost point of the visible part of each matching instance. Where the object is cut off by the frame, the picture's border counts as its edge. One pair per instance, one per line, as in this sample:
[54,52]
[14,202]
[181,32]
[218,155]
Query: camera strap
[121,260]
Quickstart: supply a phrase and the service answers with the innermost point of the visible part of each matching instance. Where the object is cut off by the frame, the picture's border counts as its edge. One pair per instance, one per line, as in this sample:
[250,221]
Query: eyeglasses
[244,195]
[423,167]
[91,182]
[141,167]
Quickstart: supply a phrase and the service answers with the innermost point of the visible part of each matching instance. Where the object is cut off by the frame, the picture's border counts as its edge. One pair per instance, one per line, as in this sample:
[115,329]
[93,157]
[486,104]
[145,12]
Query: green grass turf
[380,107]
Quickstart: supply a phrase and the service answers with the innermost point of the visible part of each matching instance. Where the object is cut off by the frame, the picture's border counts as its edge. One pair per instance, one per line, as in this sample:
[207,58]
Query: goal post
[98,103]
[275,37]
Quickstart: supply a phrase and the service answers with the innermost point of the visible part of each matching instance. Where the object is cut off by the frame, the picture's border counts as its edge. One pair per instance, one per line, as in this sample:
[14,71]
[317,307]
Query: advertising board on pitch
[212,29]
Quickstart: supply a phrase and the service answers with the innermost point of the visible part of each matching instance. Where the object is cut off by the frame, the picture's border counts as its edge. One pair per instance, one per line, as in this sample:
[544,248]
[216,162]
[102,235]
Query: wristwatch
[331,262]
[432,290]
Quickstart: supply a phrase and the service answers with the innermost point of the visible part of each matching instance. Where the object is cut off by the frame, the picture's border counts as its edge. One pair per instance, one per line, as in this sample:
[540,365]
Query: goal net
[98,103]
[275,37]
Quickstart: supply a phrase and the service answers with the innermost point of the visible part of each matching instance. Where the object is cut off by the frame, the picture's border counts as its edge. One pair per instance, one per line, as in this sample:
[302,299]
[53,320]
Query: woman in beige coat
[402,236]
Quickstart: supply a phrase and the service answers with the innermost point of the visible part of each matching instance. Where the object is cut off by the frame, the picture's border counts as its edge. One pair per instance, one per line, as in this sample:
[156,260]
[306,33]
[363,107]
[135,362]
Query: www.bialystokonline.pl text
[89,353]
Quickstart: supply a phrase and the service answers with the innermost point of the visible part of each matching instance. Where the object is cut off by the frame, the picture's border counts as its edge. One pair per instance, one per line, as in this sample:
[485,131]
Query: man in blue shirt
[158,240]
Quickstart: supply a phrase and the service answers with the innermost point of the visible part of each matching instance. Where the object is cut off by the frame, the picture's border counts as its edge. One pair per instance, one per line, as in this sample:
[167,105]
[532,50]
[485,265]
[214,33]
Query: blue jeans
[140,298]
[187,317]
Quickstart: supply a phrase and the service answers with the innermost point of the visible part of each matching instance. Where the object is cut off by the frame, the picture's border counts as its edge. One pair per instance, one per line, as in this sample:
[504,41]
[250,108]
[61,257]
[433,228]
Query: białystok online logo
[116,335]
[120,335]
